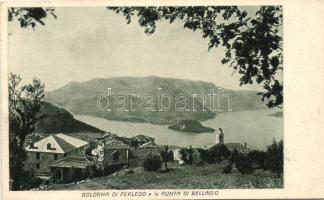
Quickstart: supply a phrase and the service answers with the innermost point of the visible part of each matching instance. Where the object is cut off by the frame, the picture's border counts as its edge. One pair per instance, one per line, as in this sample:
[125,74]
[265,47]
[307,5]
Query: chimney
[32,146]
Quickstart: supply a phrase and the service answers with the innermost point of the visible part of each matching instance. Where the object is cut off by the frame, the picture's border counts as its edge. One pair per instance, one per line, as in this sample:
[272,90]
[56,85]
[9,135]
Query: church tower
[220,136]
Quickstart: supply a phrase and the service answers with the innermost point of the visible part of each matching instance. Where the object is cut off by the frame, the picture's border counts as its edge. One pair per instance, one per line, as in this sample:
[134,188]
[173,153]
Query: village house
[115,152]
[220,139]
[142,139]
[52,149]
[71,168]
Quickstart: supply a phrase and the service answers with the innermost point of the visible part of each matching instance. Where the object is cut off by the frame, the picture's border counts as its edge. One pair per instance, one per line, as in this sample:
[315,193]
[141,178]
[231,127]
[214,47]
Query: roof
[148,144]
[232,146]
[60,143]
[238,146]
[114,143]
[103,136]
[142,138]
[72,162]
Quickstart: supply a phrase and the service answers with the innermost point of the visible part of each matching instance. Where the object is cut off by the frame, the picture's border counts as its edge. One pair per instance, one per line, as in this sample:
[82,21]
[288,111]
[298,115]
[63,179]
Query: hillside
[81,98]
[181,177]
[53,119]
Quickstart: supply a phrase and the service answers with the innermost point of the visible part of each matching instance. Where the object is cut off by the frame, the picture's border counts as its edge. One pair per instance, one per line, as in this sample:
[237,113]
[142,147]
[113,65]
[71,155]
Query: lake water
[256,128]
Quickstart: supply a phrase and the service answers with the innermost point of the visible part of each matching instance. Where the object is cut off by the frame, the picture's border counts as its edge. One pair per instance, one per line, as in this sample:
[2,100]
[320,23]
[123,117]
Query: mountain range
[145,99]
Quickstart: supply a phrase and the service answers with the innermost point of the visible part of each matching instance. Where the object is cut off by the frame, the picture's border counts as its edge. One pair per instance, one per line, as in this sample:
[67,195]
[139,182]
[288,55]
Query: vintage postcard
[162,100]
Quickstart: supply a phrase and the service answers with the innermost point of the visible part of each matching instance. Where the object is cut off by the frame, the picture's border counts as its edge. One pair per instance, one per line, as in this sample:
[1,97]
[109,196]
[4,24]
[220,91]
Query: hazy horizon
[219,86]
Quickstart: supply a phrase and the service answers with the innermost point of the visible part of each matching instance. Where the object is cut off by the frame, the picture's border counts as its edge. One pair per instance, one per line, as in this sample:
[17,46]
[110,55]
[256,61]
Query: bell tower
[220,137]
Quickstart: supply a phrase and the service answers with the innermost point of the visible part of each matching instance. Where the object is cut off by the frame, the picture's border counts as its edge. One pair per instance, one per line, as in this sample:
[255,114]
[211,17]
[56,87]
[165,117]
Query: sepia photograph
[161,100]
[145,97]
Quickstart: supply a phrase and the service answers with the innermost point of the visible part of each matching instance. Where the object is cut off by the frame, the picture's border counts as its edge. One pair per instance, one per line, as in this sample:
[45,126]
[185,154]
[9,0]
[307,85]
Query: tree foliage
[272,159]
[258,159]
[167,156]
[253,45]
[228,168]
[275,159]
[186,155]
[243,164]
[30,17]
[24,103]
[218,153]
[152,162]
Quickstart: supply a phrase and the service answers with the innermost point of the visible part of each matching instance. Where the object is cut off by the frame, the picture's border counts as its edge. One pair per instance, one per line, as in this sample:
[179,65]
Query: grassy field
[187,177]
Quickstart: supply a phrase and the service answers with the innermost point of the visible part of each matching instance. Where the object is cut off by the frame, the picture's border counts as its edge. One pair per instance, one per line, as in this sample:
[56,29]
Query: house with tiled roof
[115,152]
[71,168]
[50,149]
[238,146]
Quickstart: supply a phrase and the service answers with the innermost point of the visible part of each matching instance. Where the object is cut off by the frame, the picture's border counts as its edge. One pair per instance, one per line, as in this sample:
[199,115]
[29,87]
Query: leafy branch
[253,46]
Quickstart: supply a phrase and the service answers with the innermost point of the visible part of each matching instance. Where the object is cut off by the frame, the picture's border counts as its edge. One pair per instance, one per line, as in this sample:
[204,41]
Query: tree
[258,159]
[167,156]
[24,103]
[243,164]
[186,154]
[275,160]
[253,46]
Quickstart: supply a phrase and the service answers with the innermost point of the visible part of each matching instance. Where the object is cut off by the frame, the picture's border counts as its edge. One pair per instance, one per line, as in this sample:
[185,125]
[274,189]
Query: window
[48,146]
[37,165]
[58,174]
[55,156]
[115,155]
[37,155]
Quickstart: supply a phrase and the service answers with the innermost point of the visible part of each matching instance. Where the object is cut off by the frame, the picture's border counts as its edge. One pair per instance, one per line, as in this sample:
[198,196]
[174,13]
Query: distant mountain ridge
[81,98]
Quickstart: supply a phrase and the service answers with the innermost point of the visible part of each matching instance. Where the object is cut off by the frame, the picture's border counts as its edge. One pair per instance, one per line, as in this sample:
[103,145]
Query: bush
[113,168]
[218,153]
[228,169]
[258,159]
[243,164]
[272,159]
[29,181]
[34,182]
[96,171]
[152,162]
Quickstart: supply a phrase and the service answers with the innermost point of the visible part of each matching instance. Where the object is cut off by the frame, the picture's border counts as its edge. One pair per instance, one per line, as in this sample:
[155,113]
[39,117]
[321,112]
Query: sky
[91,42]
